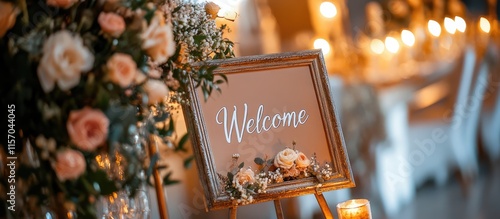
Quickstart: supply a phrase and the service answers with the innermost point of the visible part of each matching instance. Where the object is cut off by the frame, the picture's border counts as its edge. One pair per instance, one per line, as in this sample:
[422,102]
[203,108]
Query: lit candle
[354,209]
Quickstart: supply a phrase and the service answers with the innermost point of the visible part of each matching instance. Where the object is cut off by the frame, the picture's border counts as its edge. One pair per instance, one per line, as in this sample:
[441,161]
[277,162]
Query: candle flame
[484,24]
[323,45]
[328,9]
[391,44]
[434,28]
[408,37]
[377,46]
[449,25]
[460,24]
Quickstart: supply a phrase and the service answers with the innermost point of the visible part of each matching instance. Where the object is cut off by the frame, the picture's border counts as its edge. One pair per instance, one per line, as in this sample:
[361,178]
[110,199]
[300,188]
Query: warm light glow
[391,44]
[377,46]
[434,28]
[323,45]
[449,25]
[407,37]
[484,24]
[460,24]
[328,9]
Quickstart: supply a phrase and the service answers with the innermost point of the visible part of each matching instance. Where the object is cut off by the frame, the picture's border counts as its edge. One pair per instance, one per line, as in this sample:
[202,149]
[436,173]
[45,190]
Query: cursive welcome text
[259,123]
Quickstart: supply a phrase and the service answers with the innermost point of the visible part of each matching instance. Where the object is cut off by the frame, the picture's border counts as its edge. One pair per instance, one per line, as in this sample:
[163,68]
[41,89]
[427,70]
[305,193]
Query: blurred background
[415,83]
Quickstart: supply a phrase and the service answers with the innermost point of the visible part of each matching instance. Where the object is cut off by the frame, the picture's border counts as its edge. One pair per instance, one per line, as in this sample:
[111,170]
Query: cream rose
[87,128]
[285,159]
[212,9]
[158,39]
[61,3]
[156,90]
[69,164]
[111,23]
[122,69]
[245,176]
[63,61]
[8,15]
[302,160]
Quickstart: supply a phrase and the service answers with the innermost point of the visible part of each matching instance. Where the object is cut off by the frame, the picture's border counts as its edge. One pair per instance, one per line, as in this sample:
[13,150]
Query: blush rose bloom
[122,69]
[302,160]
[8,15]
[87,128]
[156,90]
[111,23]
[285,159]
[69,164]
[158,39]
[64,59]
[61,3]
[245,176]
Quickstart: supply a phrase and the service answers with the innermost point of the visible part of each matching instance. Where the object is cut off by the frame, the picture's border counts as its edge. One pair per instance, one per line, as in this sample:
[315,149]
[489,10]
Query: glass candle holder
[354,209]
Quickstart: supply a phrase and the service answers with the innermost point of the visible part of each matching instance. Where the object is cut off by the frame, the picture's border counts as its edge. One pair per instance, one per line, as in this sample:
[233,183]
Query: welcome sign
[275,117]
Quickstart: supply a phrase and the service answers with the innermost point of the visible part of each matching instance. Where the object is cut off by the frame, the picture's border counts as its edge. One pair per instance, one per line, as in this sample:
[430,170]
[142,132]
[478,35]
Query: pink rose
[156,90]
[61,3]
[158,39]
[245,176]
[111,23]
[87,128]
[302,161]
[8,15]
[69,164]
[285,159]
[64,59]
[122,69]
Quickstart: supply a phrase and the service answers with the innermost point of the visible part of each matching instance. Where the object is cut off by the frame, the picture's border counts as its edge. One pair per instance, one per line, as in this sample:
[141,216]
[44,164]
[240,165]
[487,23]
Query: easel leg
[324,206]
[279,210]
[232,212]
[160,196]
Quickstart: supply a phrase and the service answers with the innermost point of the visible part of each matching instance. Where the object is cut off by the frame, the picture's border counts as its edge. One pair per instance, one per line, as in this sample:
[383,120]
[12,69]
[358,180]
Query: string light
[377,46]
[323,45]
[484,24]
[434,28]
[391,44]
[460,24]
[449,25]
[328,9]
[408,37]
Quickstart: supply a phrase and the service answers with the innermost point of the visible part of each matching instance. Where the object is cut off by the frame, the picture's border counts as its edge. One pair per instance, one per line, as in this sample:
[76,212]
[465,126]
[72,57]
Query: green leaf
[259,161]
[167,181]
[188,162]
[198,39]
[241,165]
[105,185]
[152,163]
[182,143]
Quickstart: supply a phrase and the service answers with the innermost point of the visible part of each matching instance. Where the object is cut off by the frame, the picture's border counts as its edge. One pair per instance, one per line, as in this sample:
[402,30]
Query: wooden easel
[160,195]
[279,211]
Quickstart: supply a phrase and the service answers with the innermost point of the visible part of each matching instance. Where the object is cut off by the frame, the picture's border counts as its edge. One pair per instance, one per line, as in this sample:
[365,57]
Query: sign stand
[232,212]
[323,205]
[160,196]
[279,211]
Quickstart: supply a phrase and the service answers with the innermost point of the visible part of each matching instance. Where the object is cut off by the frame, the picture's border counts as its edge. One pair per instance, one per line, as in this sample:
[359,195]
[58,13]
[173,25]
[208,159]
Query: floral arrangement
[289,164]
[87,83]
[242,184]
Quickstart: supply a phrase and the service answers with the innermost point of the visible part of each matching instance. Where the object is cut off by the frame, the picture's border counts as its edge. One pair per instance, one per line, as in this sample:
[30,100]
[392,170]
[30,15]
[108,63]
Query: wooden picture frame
[276,83]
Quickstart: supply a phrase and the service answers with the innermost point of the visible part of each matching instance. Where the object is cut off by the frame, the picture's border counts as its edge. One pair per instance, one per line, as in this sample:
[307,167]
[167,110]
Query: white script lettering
[257,124]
